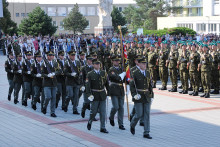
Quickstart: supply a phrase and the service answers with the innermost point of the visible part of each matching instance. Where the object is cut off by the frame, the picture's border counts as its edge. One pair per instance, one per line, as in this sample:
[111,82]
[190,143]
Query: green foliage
[75,21]
[6,24]
[37,22]
[171,31]
[145,15]
[118,19]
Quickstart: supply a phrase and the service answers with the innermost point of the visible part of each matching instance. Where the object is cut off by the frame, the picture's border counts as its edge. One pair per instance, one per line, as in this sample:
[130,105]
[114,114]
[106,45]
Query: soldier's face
[89,62]
[11,56]
[96,66]
[29,57]
[19,58]
[38,59]
[82,57]
[61,57]
[116,63]
[72,57]
[143,66]
[94,57]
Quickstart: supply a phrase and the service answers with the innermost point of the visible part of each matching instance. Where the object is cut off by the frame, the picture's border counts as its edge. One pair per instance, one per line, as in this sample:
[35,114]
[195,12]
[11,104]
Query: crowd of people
[63,68]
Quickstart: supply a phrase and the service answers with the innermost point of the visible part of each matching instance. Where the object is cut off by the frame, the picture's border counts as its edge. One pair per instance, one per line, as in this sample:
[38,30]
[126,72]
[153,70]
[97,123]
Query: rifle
[123,69]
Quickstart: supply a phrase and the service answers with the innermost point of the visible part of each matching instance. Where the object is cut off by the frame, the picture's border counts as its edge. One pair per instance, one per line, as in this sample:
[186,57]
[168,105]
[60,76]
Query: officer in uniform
[50,68]
[61,87]
[205,65]
[73,81]
[10,74]
[152,60]
[193,72]
[183,69]
[85,70]
[141,91]
[37,81]
[27,77]
[17,79]
[96,82]
[116,91]
[107,59]
[131,55]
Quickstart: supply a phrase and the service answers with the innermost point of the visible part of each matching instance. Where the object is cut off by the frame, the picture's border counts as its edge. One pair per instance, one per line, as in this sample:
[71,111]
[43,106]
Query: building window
[120,9]
[88,27]
[54,23]
[22,14]
[201,27]
[69,9]
[61,11]
[91,11]
[17,14]
[44,9]
[190,12]
[51,11]
[82,10]
[199,12]
[61,25]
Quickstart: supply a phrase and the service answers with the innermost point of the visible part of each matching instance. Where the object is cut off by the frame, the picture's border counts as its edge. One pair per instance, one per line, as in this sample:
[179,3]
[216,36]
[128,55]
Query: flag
[127,69]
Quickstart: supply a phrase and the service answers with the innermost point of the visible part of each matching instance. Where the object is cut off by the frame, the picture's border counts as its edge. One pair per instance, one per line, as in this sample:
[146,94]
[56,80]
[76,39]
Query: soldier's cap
[28,53]
[37,54]
[183,44]
[128,42]
[139,42]
[205,45]
[147,42]
[96,61]
[205,41]
[100,41]
[89,44]
[215,44]
[210,44]
[113,41]
[89,57]
[218,41]
[190,43]
[93,54]
[82,53]
[155,42]
[115,58]
[10,53]
[118,41]
[61,53]
[16,41]
[173,43]
[138,56]
[50,53]
[71,53]
[19,55]
[152,45]
[142,60]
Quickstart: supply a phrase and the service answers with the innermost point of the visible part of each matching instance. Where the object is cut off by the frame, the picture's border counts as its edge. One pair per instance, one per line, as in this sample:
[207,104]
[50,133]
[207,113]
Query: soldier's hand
[122,75]
[137,97]
[11,71]
[49,75]
[53,74]
[38,75]
[91,98]
[29,72]
[73,74]
[82,88]
[152,99]
[108,97]
[20,71]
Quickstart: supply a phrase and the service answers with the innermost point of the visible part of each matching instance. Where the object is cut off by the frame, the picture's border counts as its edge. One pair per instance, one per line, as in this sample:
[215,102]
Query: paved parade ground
[176,121]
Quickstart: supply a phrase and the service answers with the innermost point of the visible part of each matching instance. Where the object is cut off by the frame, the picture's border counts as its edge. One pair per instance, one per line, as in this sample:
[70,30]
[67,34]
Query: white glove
[50,75]
[91,98]
[29,72]
[38,75]
[73,74]
[137,97]
[108,97]
[152,99]
[19,71]
[122,75]
[128,90]
[11,71]
[53,74]
[83,88]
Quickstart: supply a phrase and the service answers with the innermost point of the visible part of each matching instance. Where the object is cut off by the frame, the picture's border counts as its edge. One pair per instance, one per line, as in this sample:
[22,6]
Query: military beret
[142,60]
[61,53]
[115,58]
[71,52]
[96,61]
[50,53]
[38,54]
[28,53]
[89,57]
[82,53]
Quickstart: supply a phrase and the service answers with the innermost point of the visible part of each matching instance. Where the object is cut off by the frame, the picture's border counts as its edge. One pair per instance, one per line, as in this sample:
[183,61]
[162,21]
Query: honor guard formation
[62,69]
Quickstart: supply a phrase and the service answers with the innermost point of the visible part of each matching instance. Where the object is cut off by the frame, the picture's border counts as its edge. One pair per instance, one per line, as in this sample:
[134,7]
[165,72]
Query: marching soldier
[183,69]
[85,70]
[61,87]
[27,77]
[73,81]
[205,65]
[17,79]
[116,91]
[131,55]
[96,82]
[163,70]
[37,81]
[194,60]
[10,74]
[107,59]
[172,65]
[50,68]
[82,63]
[141,91]
[152,60]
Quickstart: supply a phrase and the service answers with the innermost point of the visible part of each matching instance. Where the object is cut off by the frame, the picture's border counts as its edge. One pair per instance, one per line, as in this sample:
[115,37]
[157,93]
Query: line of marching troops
[99,75]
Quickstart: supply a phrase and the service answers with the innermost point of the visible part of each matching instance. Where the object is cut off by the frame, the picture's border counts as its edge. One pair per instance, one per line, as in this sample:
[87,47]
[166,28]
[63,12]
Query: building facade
[58,12]
[203,16]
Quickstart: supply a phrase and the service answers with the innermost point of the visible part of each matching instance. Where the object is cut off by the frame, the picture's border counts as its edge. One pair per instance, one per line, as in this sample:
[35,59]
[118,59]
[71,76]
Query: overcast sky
[71,1]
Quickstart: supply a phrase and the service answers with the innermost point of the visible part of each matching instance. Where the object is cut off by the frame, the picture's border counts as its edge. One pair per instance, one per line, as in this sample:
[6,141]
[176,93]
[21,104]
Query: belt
[116,84]
[142,90]
[97,90]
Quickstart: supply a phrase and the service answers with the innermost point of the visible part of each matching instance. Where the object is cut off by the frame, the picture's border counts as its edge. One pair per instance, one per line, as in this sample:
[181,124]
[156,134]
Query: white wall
[208,7]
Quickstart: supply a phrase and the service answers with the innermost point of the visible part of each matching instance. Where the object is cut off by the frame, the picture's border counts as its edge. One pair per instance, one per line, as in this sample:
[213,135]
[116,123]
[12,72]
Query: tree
[146,13]
[75,21]
[118,19]
[37,22]
[6,24]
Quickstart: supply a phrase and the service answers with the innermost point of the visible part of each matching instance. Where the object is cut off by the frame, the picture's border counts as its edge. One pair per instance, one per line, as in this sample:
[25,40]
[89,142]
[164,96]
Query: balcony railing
[188,3]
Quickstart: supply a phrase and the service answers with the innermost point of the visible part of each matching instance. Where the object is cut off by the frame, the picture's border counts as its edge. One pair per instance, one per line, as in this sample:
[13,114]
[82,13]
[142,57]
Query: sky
[71,1]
